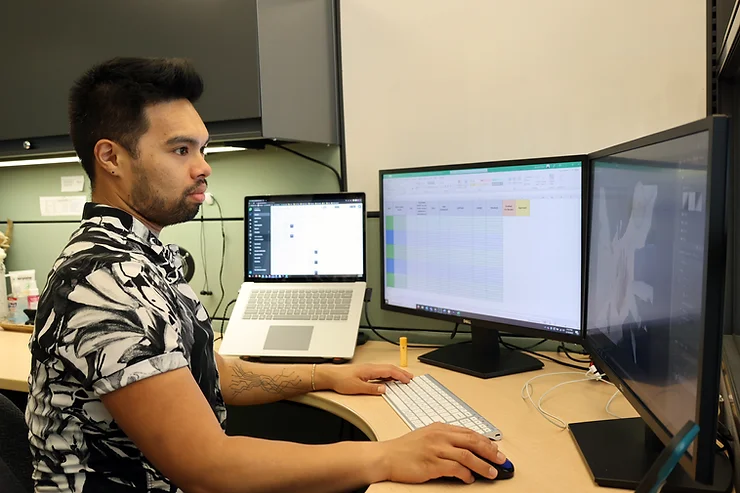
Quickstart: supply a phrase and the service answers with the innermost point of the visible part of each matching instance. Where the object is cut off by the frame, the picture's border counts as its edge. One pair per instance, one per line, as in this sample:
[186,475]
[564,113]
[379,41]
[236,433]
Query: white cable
[551,417]
[609,403]
[528,385]
[526,392]
[591,374]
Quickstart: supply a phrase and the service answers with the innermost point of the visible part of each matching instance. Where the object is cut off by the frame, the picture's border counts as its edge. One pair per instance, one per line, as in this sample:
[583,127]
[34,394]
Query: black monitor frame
[308,197]
[700,467]
[485,333]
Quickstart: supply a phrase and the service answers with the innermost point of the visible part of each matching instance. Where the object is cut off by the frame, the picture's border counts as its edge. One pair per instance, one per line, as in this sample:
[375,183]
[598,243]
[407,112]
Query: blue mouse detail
[505,470]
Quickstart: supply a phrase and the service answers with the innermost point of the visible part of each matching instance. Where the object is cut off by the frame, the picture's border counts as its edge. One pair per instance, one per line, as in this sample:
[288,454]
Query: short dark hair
[108,101]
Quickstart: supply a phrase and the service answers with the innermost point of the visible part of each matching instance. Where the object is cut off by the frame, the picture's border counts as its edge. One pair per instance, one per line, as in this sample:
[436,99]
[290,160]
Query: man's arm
[170,421]
[245,383]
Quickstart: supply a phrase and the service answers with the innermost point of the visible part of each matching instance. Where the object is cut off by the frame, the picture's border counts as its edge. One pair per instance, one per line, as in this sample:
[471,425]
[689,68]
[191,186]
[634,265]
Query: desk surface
[15,360]
[545,457]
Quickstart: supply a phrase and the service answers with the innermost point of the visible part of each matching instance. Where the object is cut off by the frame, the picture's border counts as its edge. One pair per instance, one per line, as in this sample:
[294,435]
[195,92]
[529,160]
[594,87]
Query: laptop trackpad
[289,337]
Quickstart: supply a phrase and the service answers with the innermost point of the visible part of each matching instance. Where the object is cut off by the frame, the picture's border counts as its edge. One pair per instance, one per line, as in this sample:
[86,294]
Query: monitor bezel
[700,466]
[502,325]
[308,197]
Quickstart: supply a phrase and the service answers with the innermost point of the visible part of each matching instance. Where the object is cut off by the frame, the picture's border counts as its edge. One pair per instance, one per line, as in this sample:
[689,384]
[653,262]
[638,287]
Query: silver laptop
[304,278]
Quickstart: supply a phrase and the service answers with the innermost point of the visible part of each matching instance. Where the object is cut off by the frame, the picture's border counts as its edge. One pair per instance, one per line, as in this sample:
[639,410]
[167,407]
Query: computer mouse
[505,470]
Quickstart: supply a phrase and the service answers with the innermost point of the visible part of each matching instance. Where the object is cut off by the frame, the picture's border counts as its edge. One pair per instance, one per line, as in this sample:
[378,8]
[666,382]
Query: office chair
[15,453]
[8,482]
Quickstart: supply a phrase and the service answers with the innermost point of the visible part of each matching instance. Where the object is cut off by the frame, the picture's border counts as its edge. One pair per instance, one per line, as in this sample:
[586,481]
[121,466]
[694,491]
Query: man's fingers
[372,388]
[400,375]
[470,460]
[452,469]
[388,372]
[476,443]
[405,372]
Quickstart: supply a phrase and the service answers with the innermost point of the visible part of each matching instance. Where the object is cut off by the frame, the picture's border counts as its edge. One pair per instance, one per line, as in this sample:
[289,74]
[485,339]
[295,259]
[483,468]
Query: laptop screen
[317,237]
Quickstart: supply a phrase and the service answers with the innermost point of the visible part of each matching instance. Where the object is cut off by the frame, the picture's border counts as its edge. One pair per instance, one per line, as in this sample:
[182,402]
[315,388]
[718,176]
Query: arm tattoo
[243,380]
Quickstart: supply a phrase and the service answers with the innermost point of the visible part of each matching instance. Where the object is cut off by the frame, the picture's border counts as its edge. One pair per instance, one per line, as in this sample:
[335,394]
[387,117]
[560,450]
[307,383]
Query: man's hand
[440,450]
[359,379]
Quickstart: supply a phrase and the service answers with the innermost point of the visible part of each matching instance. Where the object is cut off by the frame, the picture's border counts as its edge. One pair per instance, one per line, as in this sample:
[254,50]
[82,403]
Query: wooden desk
[545,457]
[15,360]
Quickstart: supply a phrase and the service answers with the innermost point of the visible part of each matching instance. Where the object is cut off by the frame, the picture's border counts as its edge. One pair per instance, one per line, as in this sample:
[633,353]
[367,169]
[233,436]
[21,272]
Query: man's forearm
[254,465]
[244,383]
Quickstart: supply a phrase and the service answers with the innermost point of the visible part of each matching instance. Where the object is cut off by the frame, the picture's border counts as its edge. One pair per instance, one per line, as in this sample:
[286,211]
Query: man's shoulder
[90,235]
[91,249]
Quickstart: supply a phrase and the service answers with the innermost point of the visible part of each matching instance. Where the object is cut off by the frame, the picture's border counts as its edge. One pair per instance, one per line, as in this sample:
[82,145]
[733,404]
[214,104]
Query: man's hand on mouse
[439,450]
[359,379]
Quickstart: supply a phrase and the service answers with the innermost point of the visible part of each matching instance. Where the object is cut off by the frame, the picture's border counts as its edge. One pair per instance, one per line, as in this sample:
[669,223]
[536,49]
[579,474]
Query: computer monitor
[654,292]
[497,245]
[305,238]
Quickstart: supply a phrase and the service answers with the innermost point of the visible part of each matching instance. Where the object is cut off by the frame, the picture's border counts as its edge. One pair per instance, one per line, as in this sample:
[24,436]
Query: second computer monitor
[498,245]
[654,288]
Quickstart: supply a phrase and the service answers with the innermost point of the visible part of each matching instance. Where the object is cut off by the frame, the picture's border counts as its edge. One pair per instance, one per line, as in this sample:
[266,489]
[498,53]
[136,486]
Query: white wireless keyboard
[424,401]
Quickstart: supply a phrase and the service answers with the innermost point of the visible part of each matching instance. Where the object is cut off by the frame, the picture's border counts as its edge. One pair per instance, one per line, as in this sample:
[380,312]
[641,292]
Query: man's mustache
[195,187]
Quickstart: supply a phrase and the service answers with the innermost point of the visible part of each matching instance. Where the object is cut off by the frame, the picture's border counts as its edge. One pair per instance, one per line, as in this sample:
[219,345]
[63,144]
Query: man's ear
[109,156]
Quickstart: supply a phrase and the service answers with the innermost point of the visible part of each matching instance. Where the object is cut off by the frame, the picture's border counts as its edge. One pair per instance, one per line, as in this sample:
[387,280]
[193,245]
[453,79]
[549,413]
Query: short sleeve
[121,327]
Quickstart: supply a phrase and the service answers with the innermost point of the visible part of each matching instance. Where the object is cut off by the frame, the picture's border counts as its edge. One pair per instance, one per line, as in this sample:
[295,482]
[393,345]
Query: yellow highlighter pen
[403,344]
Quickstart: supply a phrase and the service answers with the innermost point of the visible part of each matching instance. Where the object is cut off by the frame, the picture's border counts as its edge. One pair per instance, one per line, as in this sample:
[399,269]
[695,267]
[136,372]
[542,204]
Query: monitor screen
[305,237]
[493,242]
[645,283]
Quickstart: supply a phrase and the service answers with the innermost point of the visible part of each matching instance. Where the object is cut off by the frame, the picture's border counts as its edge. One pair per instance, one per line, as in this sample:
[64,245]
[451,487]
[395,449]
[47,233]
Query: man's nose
[202,168]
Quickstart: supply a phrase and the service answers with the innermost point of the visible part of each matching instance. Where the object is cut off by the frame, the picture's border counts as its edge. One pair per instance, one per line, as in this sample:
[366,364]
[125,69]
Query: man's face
[168,179]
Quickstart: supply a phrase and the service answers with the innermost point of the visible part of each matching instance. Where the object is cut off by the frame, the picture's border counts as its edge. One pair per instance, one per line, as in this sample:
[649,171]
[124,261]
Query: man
[125,387]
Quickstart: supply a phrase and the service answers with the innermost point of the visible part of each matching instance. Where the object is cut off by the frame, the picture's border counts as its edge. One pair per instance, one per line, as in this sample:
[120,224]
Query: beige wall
[440,81]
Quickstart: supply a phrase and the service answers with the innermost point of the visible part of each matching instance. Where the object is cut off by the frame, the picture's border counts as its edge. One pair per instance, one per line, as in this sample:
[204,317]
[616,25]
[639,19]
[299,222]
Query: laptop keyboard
[298,304]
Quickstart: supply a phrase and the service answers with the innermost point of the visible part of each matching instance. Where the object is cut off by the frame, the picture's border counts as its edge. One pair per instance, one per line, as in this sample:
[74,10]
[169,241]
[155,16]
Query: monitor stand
[483,357]
[619,453]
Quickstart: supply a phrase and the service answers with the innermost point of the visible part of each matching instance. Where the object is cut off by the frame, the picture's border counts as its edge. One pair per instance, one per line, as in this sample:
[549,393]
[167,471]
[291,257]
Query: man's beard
[154,208]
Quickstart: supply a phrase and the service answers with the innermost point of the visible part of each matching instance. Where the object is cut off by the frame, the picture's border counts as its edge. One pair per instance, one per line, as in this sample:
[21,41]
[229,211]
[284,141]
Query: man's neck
[114,200]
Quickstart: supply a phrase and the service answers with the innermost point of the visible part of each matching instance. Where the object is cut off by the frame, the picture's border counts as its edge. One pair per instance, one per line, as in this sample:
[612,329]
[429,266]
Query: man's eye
[203,151]
[181,151]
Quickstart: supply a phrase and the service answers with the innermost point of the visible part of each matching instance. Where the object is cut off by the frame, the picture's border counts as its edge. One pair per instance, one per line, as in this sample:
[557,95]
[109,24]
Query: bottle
[33,296]
[21,304]
[12,307]
[4,309]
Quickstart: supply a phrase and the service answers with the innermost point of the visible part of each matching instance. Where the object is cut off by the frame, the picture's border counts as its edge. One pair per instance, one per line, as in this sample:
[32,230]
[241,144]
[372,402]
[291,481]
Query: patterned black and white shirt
[116,309]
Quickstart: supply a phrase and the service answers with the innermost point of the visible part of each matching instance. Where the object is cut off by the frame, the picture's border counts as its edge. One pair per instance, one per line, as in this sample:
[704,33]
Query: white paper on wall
[62,206]
[73,183]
